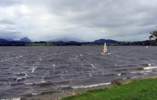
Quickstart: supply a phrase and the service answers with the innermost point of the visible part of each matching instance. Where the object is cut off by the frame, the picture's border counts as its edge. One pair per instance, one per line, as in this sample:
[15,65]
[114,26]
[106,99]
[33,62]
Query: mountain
[27,42]
[25,39]
[10,42]
[108,41]
[3,40]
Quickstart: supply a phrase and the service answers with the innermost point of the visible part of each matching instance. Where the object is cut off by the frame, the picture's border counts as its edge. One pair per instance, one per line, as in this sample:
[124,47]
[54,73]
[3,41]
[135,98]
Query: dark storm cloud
[77,19]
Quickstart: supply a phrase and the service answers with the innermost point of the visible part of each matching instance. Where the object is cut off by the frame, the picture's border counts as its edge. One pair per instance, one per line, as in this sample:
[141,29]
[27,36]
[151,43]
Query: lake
[33,70]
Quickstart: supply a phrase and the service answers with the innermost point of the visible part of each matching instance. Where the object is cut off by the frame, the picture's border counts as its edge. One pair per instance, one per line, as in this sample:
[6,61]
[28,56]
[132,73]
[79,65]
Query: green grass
[137,90]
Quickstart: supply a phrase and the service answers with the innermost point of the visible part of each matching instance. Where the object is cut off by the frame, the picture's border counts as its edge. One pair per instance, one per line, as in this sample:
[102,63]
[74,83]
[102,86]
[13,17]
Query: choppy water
[31,70]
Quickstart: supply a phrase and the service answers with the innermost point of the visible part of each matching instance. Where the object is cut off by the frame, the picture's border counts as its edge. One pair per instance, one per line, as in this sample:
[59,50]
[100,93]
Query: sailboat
[105,49]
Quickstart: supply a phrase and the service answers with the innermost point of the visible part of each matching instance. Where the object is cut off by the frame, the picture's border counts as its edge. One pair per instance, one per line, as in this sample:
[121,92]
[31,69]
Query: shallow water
[32,70]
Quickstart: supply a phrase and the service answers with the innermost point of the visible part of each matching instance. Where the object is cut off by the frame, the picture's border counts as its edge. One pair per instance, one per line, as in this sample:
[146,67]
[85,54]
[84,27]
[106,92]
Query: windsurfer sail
[105,50]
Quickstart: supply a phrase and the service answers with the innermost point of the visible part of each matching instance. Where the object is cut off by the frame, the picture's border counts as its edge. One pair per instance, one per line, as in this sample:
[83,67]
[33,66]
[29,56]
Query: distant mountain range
[108,41]
[10,42]
[3,40]
[25,41]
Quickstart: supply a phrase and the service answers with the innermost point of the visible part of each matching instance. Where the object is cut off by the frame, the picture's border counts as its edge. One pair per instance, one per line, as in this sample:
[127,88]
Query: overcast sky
[82,20]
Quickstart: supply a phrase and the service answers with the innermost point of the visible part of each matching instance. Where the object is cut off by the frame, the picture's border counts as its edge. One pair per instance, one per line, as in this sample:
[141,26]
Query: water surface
[26,70]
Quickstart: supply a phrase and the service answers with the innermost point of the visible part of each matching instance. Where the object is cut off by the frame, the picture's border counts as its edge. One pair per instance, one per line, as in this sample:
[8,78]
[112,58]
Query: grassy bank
[137,90]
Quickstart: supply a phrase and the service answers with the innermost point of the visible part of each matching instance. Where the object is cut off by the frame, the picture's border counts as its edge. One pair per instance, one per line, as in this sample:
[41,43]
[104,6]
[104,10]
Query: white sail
[104,51]
[105,48]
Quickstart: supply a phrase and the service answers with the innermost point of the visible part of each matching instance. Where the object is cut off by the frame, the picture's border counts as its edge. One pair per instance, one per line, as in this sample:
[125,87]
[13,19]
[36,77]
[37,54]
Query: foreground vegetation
[137,90]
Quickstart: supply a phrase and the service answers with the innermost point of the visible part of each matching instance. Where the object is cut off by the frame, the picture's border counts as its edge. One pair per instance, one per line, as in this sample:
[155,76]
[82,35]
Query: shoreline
[73,90]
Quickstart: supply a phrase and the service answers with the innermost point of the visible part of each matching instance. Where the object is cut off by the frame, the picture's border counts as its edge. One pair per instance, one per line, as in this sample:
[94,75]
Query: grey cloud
[9,2]
[6,22]
[9,34]
[77,19]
